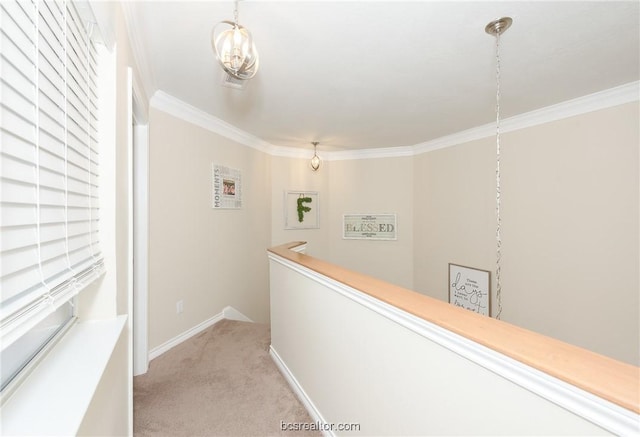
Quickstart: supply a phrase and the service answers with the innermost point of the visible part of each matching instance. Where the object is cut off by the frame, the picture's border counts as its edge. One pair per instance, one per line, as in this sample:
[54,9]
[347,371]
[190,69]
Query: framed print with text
[470,288]
[227,187]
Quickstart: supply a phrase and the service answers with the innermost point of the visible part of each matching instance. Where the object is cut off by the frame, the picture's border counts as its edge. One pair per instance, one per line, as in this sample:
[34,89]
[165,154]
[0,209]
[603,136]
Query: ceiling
[370,74]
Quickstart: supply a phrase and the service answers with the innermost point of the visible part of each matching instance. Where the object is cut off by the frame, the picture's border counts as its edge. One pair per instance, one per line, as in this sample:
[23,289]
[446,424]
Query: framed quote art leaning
[470,288]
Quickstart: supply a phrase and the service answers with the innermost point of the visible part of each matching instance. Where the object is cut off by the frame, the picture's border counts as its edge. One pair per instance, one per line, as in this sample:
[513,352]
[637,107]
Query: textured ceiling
[362,75]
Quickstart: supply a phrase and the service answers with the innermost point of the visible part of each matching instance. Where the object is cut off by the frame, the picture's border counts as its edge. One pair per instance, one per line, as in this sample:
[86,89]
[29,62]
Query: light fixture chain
[498,193]
[235,12]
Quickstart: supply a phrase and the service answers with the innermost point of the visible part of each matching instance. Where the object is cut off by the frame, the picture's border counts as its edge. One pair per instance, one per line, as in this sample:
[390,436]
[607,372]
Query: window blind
[49,180]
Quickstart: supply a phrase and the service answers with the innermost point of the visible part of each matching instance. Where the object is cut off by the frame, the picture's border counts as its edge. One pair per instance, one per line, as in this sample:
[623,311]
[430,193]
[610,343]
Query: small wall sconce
[315,161]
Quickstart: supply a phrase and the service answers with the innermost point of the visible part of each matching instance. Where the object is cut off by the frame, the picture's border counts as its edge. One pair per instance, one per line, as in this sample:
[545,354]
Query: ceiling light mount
[315,161]
[499,26]
[234,48]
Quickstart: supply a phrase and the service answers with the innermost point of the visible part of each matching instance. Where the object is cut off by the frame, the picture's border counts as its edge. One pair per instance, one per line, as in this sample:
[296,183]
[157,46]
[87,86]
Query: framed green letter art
[301,210]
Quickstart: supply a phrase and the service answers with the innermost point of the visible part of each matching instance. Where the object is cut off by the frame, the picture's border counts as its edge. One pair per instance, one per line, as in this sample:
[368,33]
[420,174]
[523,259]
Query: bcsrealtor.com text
[318,426]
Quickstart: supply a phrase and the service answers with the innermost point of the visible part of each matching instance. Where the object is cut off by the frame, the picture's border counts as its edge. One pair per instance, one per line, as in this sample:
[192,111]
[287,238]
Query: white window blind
[49,240]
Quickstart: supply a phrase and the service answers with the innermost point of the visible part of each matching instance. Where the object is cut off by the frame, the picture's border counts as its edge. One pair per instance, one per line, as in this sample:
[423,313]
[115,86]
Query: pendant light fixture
[497,28]
[235,49]
[315,161]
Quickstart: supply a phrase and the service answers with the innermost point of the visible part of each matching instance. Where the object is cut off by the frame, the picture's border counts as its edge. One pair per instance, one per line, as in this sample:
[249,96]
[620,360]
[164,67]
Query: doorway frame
[139,224]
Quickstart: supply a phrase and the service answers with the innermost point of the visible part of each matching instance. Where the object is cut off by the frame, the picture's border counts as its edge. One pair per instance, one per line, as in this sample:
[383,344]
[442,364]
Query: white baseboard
[300,393]
[229,313]
[164,347]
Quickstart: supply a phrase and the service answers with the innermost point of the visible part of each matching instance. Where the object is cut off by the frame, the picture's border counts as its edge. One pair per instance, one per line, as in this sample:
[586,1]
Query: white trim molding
[343,155]
[176,107]
[593,102]
[301,248]
[228,312]
[141,247]
[143,66]
[382,152]
[300,393]
[601,412]
[294,152]
[186,335]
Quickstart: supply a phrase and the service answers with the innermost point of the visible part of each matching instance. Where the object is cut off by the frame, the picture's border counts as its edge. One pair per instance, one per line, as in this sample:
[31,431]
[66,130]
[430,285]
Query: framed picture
[470,288]
[369,227]
[301,210]
[227,187]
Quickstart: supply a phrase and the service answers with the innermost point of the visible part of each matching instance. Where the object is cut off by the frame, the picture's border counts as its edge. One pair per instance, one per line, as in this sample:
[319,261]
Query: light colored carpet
[221,382]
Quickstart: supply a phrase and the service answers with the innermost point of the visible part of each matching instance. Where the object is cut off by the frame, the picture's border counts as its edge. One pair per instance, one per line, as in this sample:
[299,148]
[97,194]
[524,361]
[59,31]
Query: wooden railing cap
[602,376]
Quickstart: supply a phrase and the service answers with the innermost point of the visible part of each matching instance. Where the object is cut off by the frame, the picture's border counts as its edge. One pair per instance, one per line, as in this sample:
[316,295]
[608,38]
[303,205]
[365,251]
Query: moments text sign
[227,187]
[369,227]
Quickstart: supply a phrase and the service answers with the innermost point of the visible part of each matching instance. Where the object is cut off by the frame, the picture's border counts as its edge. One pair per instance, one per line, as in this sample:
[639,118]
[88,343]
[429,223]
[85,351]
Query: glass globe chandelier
[234,48]
[315,161]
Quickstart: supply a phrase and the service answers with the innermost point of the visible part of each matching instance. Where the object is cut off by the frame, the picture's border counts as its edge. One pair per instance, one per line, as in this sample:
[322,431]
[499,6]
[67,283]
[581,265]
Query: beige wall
[373,186]
[454,204]
[351,187]
[570,224]
[570,203]
[292,174]
[208,258]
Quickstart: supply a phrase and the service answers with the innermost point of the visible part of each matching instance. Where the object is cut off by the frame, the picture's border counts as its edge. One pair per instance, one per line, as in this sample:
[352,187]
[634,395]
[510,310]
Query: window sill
[54,398]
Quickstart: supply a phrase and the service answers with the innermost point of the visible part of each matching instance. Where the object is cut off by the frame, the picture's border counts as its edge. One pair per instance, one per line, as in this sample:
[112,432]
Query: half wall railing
[372,358]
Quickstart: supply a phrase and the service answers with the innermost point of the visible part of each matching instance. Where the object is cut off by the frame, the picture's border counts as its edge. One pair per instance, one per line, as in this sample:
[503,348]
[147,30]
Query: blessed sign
[369,227]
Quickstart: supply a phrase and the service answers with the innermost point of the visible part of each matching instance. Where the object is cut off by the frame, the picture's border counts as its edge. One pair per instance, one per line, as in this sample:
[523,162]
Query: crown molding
[296,153]
[592,102]
[176,107]
[601,100]
[342,155]
[383,152]
[143,66]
